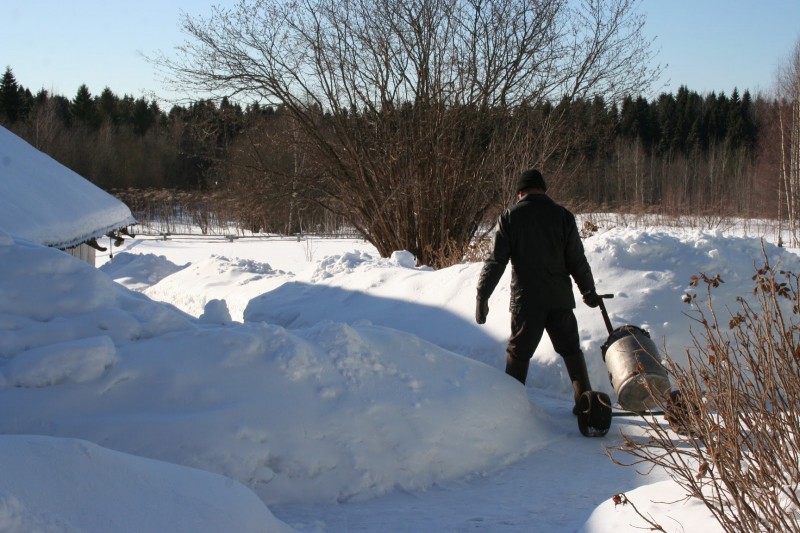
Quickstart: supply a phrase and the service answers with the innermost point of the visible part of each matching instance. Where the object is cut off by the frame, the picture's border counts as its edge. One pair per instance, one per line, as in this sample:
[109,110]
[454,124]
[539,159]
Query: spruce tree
[142,118]
[83,107]
[108,107]
[10,98]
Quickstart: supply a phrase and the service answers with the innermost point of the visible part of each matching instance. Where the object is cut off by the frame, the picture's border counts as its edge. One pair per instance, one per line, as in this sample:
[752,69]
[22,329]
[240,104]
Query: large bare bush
[738,409]
[404,106]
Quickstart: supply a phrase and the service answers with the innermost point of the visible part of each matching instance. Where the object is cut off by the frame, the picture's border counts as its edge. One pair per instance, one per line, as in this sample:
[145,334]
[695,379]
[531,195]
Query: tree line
[114,141]
[684,153]
[632,154]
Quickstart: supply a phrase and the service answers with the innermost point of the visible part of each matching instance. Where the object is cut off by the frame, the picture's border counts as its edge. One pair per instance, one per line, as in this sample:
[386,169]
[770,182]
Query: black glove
[481,310]
[592,299]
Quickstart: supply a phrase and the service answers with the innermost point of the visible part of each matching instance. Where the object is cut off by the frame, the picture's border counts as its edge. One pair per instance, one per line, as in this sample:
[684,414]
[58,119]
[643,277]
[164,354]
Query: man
[541,239]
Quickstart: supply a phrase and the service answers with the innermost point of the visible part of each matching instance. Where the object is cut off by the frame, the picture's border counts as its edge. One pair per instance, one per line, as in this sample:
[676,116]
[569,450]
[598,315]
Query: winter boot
[576,368]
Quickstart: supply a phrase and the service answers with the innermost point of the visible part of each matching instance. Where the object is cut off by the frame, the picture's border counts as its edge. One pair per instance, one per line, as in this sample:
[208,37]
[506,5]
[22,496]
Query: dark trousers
[528,326]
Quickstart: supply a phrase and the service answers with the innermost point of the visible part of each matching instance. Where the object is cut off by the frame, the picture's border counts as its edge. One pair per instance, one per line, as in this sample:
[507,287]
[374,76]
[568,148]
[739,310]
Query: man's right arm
[577,264]
[495,263]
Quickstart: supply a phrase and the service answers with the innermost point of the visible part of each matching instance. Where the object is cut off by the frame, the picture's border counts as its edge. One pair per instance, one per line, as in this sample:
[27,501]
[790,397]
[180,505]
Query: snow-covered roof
[43,201]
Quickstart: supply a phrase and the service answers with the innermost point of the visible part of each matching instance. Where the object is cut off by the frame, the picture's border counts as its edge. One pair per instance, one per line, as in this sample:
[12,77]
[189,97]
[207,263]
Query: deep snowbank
[330,412]
[67,485]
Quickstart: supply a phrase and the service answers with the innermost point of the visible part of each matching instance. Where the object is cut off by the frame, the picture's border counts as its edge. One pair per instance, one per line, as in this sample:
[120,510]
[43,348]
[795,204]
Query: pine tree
[143,117]
[750,125]
[83,107]
[11,103]
[108,107]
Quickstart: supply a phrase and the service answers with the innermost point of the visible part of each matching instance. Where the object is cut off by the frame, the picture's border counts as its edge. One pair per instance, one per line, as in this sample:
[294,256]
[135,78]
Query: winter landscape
[266,384]
[219,367]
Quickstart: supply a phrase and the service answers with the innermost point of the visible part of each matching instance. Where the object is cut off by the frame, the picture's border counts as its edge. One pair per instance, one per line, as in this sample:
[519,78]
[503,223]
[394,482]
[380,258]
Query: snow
[272,385]
[336,391]
[45,202]
[70,485]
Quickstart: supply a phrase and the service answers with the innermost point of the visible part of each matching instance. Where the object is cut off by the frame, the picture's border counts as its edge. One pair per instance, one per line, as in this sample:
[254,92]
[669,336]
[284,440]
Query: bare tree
[417,113]
[45,128]
[260,177]
[789,120]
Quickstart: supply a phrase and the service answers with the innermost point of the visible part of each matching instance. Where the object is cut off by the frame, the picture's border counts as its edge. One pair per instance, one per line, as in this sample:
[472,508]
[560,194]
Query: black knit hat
[531,179]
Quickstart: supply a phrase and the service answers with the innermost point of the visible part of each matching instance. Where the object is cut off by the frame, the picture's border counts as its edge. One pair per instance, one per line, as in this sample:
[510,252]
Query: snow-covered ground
[276,385]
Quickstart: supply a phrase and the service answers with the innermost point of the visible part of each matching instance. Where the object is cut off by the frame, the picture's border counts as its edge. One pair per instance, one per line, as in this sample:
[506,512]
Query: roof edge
[94,235]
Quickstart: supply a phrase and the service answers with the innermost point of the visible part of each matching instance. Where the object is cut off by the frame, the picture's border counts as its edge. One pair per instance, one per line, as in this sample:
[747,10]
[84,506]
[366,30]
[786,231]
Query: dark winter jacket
[541,239]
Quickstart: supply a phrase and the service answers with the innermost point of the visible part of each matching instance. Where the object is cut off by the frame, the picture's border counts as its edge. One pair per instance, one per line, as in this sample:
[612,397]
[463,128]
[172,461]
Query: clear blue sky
[708,45]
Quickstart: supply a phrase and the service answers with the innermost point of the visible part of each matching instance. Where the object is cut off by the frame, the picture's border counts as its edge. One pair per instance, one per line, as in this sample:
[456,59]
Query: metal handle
[602,306]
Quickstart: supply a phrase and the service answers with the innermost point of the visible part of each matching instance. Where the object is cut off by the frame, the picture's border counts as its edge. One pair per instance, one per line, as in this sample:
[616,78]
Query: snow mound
[404,259]
[671,502]
[347,263]
[216,312]
[341,264]
[331,412]
[137,272]
[77,361]
[216,399]
[225,276]
[48,297]
[68,485]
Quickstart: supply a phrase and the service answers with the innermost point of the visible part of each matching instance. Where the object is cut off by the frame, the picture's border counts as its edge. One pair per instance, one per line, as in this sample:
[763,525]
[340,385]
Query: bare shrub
[588,229]
[415,121]
[738,408]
